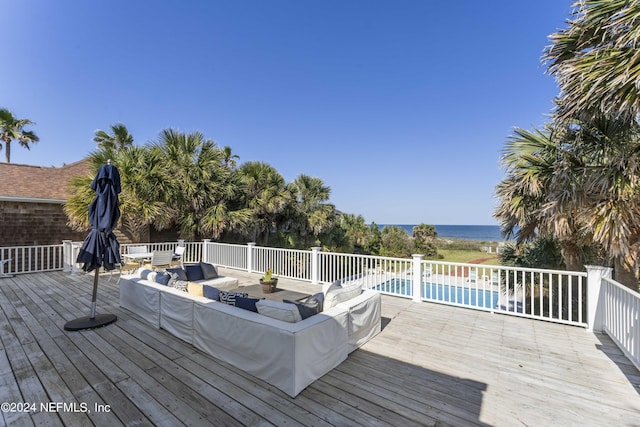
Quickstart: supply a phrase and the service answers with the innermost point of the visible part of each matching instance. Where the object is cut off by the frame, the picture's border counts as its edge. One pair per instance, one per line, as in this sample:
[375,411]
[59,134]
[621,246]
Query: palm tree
[311,215]
[613,188]
[265,195]
[229,159]
[143,179]
[423,237]
[200,188]
[356,230]
[12,128]
[579,183]
[120,138]
[541,191]
[595,60]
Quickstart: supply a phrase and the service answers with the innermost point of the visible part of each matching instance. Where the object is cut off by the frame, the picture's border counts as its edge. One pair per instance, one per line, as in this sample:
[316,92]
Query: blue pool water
[439,292]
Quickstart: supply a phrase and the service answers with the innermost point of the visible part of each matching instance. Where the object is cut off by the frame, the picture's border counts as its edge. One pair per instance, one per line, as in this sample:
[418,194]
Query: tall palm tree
[118,140]
[229,159]
[265,195]
[12,128]
[595,60]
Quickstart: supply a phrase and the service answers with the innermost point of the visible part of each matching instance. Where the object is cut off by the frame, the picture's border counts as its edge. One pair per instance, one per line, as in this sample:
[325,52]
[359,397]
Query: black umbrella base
[88,323]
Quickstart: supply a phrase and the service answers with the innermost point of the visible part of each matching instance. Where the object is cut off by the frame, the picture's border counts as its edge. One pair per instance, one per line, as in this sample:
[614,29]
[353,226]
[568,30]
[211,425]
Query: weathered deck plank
[431,364]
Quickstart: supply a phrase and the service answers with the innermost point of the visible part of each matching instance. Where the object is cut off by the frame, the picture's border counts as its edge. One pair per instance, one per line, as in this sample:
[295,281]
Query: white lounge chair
[161,259]
[141,249]
[177,256]
[473,275]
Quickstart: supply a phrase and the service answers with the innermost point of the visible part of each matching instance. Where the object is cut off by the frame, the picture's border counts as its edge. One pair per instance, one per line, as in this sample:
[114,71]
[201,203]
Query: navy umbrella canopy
[100,248]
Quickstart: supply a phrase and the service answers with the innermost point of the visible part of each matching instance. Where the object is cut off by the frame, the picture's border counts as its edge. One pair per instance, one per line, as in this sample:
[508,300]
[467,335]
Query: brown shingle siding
[25,224]
[31,203]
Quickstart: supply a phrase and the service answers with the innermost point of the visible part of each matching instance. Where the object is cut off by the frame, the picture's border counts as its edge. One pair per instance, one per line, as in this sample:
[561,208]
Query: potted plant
[268,282]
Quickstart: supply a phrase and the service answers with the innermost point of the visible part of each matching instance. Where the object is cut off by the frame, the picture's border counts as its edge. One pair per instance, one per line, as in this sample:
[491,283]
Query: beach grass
[466,251]
[466,256]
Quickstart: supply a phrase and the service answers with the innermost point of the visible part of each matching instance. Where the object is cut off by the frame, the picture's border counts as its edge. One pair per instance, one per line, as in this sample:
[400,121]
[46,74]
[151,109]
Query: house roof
[38,183]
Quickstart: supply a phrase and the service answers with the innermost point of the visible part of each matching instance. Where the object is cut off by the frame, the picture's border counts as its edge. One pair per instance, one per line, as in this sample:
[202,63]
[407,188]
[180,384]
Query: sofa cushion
[162,278]
[247,303]
[196,289]
[319,298]
[143,273]
[328,287]
[229,298]
[194,272]
[308,308]
[336,295]
[180,285]
[211,292]
[182,275]
[173,279]
[208,271]
[279,310]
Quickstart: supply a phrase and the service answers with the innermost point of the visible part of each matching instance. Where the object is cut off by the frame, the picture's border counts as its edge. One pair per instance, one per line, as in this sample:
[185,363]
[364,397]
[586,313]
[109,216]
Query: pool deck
[431,365]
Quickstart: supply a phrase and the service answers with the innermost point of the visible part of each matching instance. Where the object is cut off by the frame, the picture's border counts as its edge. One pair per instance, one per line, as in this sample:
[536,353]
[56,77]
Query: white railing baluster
[621,318]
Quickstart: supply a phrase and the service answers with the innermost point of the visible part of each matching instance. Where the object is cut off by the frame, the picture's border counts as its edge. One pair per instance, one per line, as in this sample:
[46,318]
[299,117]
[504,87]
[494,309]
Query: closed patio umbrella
[100,248]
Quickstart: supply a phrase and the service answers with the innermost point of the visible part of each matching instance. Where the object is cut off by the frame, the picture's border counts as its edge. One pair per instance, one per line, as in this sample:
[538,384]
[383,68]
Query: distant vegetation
[187,183]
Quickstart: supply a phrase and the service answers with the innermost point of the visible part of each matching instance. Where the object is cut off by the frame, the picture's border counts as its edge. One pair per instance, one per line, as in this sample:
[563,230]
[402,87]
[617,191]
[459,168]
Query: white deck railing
[192,254]
[621,317]
[552,295]
[32,259]
[226,255]
[557,296]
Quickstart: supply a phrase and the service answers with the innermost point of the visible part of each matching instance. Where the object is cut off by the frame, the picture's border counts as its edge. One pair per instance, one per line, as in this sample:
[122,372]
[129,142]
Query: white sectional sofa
[289,356]
[145,300]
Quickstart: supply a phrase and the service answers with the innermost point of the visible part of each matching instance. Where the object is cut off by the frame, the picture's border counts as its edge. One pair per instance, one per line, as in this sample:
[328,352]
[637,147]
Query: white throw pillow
[279,310]
[143,272]
[328,286]
[337,295]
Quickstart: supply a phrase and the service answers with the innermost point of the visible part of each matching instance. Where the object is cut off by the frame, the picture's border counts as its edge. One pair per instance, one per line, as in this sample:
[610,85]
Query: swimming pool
[445,293]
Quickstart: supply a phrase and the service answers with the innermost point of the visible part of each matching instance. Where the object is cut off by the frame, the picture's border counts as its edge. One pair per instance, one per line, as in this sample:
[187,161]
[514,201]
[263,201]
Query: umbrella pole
[94,296]
[92,321]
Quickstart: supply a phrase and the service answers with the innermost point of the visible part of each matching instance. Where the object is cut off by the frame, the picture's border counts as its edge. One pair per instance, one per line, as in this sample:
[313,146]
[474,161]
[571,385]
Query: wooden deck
[431,365]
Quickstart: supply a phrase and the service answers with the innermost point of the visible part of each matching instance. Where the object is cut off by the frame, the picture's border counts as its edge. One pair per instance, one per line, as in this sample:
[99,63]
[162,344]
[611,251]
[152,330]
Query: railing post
[315,265]
[75,250]
[417,277]
[66,256]
[250,247]
[205,250]
[595,303]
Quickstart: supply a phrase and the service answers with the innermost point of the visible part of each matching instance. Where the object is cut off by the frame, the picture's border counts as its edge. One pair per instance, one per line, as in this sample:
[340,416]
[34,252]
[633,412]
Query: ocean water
[465,232]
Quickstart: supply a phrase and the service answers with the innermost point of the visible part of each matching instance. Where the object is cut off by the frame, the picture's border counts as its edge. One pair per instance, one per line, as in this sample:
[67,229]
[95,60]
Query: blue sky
[401,107]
